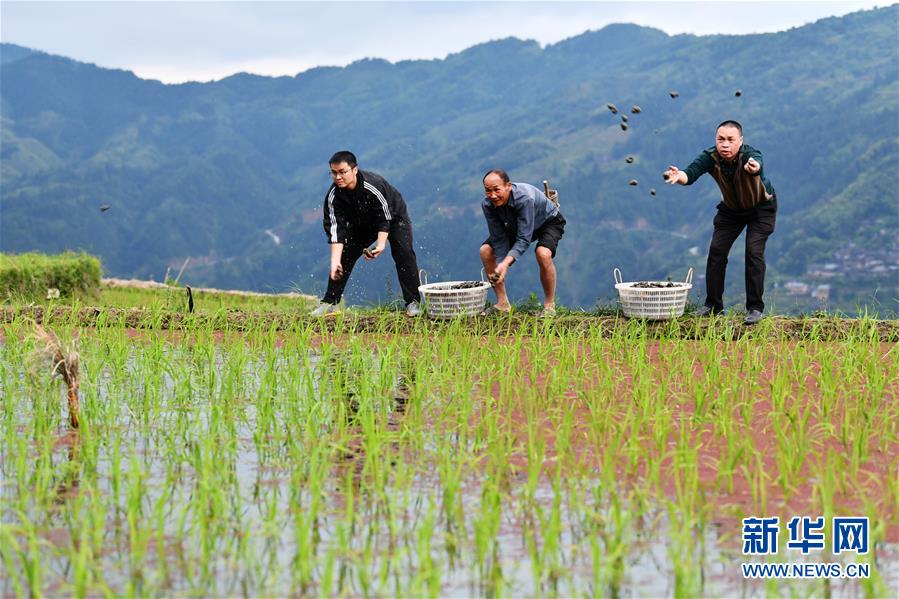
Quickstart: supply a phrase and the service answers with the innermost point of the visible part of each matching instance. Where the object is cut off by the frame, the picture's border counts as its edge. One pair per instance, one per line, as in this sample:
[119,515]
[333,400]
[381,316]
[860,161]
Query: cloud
[178,41]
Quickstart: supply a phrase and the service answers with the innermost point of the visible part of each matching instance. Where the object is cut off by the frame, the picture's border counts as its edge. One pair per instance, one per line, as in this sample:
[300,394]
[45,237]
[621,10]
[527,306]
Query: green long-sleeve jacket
[739,189]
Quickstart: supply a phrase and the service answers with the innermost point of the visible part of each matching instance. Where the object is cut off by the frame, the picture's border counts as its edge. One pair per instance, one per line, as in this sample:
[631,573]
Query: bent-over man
[362,208]
[518,214]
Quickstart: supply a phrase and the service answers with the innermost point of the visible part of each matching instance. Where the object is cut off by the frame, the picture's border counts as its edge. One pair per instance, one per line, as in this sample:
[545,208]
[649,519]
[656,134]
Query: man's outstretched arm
[703,164]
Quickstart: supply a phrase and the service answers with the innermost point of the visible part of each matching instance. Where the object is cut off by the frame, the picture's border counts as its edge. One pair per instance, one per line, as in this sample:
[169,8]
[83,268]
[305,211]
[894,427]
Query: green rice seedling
[616,538]
[733,456]
[279,459]
[21,541]
[755,475]
[826,486]
[451,478]
[553,534]
[305,511]
[536,452]
[781,388]
[486,528]
[81,574]
[10,554]
[138,536]
[429,570]
[892,483]
[798,442]
[686,560]
[876,585]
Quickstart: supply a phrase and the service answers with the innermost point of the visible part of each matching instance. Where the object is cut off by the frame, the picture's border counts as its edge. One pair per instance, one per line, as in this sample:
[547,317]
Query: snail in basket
[467,285]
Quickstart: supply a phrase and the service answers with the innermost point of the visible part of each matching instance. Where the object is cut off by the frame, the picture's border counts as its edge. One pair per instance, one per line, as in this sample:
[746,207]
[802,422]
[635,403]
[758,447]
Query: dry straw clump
[62,361]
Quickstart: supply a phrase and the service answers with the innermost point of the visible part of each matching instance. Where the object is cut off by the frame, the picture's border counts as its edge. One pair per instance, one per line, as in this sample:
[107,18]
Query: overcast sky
[202,41]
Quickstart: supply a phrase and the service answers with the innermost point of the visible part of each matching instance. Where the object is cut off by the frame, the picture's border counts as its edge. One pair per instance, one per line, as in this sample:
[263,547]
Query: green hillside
[205,170]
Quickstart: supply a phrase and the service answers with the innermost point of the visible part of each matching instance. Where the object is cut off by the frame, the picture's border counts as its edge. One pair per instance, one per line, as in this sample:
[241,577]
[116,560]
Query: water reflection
[280,473]
[70,481]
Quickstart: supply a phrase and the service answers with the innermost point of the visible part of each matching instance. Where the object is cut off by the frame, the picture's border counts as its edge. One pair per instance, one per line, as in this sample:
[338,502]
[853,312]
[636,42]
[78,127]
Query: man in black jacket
[362,208]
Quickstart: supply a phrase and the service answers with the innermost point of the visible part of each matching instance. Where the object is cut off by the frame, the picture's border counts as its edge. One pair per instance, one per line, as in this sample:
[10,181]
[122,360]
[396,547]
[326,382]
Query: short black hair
[733,124]
[497,171]
[343,156]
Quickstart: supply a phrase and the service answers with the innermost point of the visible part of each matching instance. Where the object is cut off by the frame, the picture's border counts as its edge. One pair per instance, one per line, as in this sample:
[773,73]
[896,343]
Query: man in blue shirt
[517,214]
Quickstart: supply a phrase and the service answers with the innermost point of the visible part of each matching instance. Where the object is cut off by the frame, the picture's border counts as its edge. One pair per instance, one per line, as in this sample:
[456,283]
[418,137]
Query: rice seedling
[374,456]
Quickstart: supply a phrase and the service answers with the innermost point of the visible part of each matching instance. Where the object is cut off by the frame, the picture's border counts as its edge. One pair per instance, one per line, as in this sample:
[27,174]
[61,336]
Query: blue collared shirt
[512,226]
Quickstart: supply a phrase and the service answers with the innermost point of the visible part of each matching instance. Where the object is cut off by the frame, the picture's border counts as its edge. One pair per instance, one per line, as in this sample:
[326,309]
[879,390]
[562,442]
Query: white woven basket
[654,304]
[442,301]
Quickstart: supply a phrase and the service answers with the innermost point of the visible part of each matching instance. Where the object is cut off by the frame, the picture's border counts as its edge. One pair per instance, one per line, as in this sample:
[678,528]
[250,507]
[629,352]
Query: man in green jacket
[748,201]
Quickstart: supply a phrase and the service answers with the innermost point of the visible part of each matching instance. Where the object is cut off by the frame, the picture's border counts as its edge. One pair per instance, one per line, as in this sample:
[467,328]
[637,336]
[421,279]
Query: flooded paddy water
[313,462]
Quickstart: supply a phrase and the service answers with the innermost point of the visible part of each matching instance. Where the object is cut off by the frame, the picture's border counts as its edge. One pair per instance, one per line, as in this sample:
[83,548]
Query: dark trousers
[400,240]
[759,224]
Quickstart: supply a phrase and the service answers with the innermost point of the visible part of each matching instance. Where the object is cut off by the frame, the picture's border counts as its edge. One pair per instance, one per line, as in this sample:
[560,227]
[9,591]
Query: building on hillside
[797,288]
[821,293]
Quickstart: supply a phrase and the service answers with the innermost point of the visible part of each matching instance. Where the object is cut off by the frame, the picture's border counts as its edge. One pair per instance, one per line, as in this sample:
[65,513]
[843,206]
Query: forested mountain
[233,173]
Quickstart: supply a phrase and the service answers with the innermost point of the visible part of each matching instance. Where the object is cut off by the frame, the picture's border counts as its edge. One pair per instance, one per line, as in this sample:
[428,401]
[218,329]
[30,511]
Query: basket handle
[689,278]
[617,274]
[483,275]
[423,277]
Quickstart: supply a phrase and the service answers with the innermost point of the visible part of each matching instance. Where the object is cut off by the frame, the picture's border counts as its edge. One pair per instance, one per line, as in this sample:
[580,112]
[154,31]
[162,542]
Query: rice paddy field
[270,454]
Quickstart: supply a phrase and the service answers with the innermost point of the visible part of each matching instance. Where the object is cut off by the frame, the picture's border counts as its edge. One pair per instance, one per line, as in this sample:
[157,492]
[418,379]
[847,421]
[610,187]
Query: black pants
[759,224]
[400,240]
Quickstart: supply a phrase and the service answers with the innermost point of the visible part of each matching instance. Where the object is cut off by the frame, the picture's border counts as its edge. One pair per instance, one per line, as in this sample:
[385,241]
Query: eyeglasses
[341,173]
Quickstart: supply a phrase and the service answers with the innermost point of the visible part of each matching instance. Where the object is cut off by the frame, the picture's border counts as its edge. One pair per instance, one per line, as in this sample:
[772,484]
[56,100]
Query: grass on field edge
[166,307]
[517,324]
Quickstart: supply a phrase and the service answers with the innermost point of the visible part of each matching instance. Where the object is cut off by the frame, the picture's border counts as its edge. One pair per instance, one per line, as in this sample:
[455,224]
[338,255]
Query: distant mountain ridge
[223,171]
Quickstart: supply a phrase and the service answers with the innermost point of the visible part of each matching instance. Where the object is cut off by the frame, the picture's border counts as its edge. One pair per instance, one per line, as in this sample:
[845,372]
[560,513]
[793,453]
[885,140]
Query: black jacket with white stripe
[372,206]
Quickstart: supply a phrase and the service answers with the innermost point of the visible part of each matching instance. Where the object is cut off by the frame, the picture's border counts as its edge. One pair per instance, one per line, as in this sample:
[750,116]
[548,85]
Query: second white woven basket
[446,300]
[654,303]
